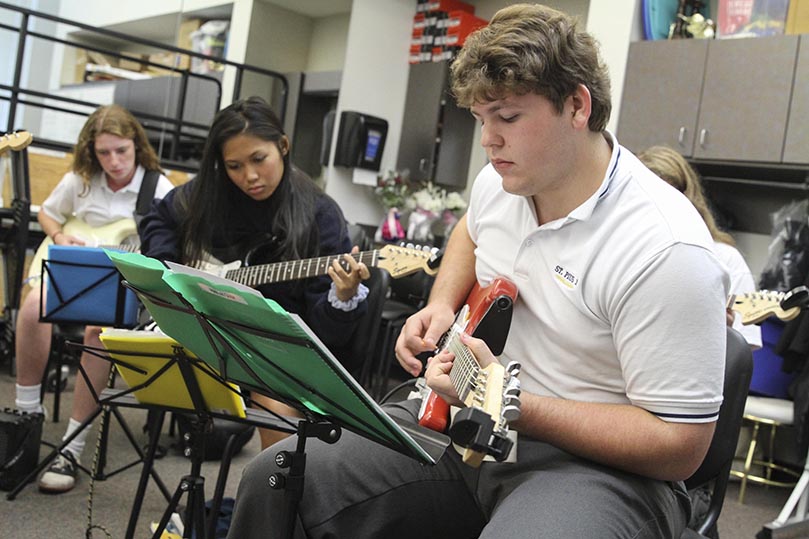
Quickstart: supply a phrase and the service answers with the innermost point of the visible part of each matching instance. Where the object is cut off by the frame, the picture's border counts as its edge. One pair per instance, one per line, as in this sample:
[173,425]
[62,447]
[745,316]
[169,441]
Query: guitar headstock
[482,426]
[755,307]
[401,260]
[16,141]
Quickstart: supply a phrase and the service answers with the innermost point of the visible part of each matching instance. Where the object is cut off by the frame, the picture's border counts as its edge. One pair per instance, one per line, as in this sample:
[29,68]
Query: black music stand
[80,283]
[177,381]
[254,343]
[97,473]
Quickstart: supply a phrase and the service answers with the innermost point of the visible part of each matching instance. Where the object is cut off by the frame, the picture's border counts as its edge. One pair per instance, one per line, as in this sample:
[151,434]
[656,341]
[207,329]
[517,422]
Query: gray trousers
[358,489]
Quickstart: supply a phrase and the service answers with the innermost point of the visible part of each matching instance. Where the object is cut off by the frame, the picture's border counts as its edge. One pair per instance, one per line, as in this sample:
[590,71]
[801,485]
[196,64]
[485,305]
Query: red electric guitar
[490,394]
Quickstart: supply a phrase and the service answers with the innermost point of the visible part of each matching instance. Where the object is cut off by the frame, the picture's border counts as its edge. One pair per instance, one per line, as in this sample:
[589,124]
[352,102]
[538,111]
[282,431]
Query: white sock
[28,399]
[76,445]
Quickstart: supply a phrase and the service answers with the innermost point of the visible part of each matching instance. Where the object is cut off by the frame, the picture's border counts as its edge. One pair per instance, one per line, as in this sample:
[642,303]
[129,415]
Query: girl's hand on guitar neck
[347,282]
[420,334]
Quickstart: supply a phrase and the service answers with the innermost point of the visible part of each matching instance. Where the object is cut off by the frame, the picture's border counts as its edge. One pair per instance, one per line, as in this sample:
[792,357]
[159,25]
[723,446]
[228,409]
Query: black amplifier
[20,434]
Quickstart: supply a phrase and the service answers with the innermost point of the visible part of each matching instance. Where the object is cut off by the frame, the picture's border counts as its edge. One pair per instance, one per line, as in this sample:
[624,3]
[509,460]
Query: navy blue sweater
[159,232]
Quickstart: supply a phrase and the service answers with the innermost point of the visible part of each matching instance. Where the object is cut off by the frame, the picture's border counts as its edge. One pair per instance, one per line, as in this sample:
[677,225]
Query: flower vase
[419,226]
[391,229]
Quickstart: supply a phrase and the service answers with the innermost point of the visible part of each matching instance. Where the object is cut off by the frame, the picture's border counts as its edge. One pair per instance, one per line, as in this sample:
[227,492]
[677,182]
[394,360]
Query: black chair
[714,472]
[407,295]
[359,237]
[361,351]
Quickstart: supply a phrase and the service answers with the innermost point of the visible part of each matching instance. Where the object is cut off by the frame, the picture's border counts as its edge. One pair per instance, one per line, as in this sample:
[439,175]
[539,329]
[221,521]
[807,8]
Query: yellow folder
[150,351]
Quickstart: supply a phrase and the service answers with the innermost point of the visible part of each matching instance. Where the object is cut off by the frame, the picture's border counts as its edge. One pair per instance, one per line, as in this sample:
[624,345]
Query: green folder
[255,343]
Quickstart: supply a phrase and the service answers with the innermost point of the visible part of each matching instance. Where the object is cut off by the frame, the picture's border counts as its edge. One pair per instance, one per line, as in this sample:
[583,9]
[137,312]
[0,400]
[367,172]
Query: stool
[772,413]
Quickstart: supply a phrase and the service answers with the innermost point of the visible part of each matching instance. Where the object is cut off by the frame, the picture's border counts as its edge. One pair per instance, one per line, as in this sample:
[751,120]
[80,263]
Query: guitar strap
[146,194]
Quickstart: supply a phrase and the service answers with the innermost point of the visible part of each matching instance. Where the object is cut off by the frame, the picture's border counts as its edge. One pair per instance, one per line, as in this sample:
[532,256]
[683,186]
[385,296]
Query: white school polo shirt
[741,282]
[622,301]
[100,205]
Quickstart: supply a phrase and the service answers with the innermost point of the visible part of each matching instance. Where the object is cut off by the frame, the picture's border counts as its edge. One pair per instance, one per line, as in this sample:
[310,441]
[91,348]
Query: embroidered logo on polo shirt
[565,277]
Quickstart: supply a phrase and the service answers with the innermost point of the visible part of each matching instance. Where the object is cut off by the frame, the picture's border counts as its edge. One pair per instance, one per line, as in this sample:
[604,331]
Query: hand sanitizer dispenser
[360,140]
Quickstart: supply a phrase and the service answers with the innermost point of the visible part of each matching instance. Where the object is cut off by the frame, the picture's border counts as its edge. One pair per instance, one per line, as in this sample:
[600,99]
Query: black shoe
[61,475]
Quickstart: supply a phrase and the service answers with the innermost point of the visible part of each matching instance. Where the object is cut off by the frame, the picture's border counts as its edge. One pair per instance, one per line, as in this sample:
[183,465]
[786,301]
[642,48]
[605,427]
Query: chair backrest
[359,237]
[367,332]
[717,463]
[412,289]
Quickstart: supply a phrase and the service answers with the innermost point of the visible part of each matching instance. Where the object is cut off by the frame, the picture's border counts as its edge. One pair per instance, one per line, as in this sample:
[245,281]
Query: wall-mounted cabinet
[437,136]
[661,95]
[725,100]
[796,147]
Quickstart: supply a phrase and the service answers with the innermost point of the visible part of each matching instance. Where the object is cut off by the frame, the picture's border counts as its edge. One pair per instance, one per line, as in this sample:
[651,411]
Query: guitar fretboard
[465,368]
[297,269]
[128,248]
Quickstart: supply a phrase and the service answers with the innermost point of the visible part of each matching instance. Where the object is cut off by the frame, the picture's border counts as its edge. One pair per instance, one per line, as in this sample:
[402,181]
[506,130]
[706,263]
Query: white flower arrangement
[454,202]
[433,199]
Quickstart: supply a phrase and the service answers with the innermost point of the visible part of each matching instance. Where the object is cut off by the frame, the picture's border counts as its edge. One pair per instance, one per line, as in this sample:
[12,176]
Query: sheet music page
[188,270]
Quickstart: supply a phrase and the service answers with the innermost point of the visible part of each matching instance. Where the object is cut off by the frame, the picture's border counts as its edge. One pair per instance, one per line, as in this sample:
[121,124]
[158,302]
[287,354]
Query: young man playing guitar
[619,325]
[110,161]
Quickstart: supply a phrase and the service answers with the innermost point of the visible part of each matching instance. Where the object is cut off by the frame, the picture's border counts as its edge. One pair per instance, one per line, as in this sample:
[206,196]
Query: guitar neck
[465,368]
[129,248]
[296,269]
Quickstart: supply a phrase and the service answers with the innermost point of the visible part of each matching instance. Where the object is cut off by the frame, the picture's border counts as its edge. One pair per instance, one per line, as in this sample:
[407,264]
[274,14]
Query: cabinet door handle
[423,164]
[703,135]
[681,136]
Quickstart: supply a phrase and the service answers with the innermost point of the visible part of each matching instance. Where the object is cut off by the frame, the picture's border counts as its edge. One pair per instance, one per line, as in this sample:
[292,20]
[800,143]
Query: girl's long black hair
[292,206]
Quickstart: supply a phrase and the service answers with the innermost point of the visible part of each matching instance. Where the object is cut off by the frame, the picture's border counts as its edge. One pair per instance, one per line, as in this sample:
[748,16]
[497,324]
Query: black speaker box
[20,434]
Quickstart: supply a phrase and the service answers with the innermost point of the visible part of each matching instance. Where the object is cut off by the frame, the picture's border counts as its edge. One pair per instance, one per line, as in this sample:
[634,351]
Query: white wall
[327,50]
[278,38]
[105,13]
[37,60]
[374,82]
[615,24]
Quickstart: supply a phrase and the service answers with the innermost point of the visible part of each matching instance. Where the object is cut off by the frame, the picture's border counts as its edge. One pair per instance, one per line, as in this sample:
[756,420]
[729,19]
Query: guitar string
[285,271]
[465,370]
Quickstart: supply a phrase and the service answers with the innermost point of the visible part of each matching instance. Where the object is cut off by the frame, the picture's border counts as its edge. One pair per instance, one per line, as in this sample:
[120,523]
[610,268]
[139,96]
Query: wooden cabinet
[796,146]
[661,95]
[745,99]
[436,140]
[723,100]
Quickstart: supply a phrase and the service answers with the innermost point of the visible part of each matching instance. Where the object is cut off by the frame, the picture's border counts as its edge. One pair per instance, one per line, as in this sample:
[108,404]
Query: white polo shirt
[99,205]
[622,301]
[741,282]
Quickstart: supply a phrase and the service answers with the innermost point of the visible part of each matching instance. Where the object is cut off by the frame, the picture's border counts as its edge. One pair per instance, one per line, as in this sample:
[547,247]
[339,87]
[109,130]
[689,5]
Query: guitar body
[487,316]
[121,234]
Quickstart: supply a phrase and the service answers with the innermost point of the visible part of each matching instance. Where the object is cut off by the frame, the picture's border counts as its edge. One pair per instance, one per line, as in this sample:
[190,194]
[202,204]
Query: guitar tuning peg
[511,401]
[513,368]
[511,413]
[512,391]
